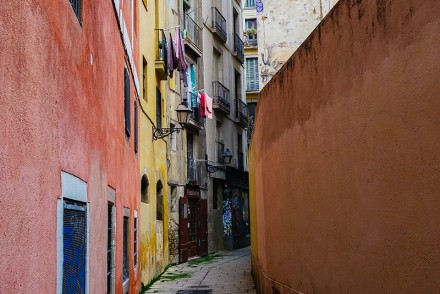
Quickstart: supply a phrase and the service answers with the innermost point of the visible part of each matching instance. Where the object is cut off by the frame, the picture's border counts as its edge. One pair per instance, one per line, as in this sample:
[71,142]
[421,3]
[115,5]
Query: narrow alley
[223,272]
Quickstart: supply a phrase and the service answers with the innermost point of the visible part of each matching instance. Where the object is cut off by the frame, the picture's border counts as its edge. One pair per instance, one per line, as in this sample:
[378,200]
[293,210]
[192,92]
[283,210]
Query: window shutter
[252,74]
[158,108]
[74,248]
[136,132]
[127,101]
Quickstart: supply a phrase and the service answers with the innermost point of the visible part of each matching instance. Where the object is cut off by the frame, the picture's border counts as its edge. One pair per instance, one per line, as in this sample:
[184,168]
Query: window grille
[125,262]
[250,3]
[109,246]
[74,247]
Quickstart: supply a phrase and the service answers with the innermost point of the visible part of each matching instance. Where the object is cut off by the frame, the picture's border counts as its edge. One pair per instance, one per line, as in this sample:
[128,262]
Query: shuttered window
[252,74]
[127,102]
[74,248]
[158,108]
[136,132]
[76,5]
[135,251]
[109,247]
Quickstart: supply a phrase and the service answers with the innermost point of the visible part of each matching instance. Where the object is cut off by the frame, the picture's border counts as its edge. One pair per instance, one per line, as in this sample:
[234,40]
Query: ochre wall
[61,103]
[346,154]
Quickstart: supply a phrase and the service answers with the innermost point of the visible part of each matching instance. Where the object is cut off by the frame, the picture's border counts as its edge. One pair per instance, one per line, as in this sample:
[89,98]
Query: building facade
[283,25]
[69,155]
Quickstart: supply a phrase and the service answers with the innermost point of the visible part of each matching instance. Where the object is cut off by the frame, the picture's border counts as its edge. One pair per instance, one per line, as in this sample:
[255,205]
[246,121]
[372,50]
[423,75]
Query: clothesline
[167,29]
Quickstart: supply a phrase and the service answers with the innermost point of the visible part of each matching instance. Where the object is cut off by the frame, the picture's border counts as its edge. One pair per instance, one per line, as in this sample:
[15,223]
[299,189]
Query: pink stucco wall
[61,103]
[345,156]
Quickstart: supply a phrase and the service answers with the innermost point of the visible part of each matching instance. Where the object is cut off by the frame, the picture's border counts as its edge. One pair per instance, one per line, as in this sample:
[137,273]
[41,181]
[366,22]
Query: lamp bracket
[160,133]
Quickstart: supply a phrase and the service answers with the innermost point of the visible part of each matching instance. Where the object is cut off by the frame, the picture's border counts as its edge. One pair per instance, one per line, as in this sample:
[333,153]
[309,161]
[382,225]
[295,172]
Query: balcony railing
[241,113]
[250,3]
[221,96]
[238,47]
[196,120]
[240,160]
[250,41]
[196,173]
[220,151]
[193,32]
[219,24]
[161,55]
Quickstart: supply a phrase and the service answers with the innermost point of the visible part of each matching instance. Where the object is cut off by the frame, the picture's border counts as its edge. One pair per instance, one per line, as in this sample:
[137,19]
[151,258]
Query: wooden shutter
[252,74]
[136,131]
[127,102]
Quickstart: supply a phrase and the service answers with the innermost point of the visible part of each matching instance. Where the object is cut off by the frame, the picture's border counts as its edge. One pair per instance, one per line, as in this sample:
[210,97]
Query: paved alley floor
[223,272]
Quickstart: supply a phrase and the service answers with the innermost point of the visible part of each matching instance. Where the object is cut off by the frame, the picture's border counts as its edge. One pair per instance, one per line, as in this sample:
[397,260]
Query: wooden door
[183,229]
[203,208]
[193,227]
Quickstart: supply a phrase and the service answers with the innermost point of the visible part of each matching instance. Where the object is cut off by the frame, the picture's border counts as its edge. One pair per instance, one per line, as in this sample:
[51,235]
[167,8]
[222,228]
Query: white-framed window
[252,83]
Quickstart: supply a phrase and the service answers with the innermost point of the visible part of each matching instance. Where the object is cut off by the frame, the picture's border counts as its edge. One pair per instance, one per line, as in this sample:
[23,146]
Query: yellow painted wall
[153,248]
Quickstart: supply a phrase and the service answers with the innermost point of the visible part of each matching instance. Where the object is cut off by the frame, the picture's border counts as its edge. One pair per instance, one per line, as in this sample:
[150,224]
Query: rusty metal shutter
[74,248]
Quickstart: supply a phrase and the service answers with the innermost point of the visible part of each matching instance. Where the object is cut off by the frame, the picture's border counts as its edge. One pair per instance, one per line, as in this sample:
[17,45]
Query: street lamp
[227,157]
[183,112]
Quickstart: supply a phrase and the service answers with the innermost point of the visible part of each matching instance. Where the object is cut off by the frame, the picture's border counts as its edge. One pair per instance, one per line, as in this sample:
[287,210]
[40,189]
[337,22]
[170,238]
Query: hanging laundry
[208,106]
[164,53]
[202,105]
[182,66]
[172,59]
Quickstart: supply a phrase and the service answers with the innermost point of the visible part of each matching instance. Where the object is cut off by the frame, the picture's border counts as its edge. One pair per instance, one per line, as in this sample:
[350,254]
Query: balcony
[220,151]
[196,173]
[161,56]
[192,35]
[196,122]
[249,3]
[221,98]
[238,48]
[250,40]
[219,24]
[241,113]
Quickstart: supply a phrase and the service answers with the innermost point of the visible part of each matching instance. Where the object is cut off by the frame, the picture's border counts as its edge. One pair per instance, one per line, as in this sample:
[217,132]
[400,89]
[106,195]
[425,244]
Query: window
[136,134]
[109,247]
[125,246]
[251,29]
[250,3]
[159,201]
[74,247]
[127,102]
[173,139]
[252,83]
[144,79]
[158,108]
[144,189]
[189,157]
[135,251]
[76,5]
[215,191]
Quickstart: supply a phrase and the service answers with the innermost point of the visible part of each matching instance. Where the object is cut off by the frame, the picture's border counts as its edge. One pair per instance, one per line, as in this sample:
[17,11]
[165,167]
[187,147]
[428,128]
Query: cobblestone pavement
[223,272]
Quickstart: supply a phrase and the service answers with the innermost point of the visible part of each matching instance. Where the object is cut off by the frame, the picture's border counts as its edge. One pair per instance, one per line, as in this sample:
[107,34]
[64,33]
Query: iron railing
[250,41]
[221,96]
[195,115]
[238,47]
[241,113]
[197,173]
[250,3]
[219,24]
[220,151]
[193,31]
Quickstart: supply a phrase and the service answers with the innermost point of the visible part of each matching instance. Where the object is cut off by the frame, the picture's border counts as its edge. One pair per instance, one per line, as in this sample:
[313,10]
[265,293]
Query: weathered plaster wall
[153,153]
[282,27]
[345,156]
[61,103]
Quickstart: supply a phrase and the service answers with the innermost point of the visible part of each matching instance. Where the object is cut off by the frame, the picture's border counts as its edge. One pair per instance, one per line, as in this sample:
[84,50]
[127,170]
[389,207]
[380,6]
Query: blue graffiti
[259,6]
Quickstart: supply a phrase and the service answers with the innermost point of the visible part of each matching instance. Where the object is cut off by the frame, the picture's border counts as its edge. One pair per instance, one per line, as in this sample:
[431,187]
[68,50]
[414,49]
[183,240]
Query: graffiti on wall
[259,5]
[227,218]
[269,65]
